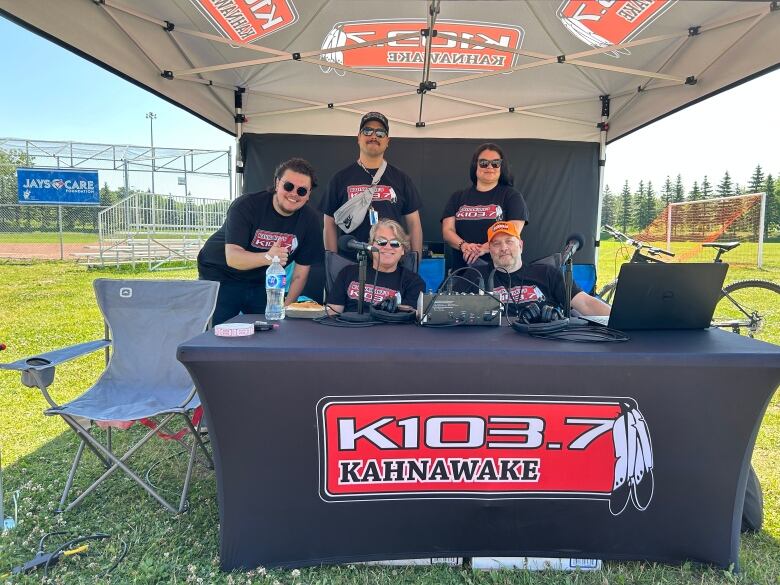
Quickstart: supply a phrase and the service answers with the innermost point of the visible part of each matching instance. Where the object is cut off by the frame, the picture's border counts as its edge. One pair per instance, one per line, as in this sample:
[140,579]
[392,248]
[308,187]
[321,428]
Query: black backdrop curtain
[558,179]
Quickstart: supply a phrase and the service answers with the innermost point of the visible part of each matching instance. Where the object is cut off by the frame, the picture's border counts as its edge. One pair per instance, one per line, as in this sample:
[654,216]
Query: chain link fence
[51,232]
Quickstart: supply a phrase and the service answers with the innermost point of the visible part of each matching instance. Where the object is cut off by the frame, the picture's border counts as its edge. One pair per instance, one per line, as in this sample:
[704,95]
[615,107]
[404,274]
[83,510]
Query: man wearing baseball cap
[516,282]
[369,189]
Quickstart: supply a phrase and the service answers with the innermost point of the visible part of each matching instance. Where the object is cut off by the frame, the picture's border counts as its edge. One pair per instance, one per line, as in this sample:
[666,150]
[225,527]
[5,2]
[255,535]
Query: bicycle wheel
[607,292]
[750,307]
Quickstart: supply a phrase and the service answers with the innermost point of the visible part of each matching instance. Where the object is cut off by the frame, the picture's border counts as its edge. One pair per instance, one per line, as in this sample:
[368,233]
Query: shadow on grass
[167,548]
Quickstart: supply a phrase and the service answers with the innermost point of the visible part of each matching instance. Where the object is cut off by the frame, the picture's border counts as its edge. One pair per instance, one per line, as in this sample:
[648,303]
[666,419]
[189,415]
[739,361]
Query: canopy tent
[567,71]
[541,71]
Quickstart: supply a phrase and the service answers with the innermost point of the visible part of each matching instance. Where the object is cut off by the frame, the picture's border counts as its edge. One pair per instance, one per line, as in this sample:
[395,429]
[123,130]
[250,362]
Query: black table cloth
[340,445]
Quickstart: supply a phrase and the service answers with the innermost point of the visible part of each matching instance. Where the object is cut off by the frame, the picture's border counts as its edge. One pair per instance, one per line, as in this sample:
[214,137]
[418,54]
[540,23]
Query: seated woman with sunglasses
[491,198]
[259,226]
[385,279]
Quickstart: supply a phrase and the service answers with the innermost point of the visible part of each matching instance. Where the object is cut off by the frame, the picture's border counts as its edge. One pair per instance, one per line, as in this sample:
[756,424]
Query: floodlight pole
[151,116]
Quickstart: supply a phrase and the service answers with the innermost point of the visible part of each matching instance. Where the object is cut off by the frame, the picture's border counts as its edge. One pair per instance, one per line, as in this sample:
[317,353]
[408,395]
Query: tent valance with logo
[570,71]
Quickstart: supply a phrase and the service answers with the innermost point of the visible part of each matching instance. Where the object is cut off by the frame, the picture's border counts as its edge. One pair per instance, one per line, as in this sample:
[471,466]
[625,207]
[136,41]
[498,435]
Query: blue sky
[51,94]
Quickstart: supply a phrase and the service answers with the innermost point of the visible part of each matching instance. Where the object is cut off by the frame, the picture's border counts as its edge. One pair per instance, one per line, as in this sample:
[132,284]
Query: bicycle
[745,307]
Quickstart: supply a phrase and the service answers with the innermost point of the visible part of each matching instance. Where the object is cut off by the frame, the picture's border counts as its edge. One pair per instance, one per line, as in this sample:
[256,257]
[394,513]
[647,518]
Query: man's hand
[279,251]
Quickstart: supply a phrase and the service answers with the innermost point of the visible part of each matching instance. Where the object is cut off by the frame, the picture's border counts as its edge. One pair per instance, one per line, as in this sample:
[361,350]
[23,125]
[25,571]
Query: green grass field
[51,304]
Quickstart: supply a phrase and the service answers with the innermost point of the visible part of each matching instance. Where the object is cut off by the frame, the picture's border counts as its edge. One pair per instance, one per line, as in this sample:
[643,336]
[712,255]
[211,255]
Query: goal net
[683,227]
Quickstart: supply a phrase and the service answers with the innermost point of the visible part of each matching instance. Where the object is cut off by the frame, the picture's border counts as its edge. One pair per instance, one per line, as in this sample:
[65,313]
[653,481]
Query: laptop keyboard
[598,319]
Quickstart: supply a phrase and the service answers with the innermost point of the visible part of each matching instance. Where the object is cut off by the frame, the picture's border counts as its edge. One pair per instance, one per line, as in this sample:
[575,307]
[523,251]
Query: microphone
[348,243]
[573,243]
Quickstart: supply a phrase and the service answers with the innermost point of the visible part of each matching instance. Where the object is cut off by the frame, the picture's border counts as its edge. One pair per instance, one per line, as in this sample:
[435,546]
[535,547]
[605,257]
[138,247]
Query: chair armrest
[38,371]
[56,357]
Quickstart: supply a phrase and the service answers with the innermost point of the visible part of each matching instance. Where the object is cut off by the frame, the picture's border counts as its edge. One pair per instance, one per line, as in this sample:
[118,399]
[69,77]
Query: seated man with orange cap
[518,283]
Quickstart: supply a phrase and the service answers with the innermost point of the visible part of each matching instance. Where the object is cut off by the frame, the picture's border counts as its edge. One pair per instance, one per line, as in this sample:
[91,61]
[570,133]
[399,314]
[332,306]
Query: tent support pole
[425,84]
[240,119]
[604,128]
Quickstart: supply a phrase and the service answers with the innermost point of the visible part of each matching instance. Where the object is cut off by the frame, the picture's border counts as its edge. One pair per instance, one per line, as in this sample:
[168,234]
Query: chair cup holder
[45,375]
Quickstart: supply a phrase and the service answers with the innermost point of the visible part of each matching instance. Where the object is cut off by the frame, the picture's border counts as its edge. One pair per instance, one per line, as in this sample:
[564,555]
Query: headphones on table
[387,312]
[539,318]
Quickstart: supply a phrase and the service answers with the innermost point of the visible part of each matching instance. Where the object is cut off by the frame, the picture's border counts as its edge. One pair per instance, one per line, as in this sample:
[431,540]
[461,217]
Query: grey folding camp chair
[147,320]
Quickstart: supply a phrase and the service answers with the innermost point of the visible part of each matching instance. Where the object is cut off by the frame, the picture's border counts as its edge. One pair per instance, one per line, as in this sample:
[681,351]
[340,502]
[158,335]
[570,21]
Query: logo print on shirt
[378,192]
[468,212]
[265,240]
[520,294]
[371,295]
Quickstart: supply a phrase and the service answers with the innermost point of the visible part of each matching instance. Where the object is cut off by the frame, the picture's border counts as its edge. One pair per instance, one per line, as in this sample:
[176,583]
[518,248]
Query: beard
[507,261]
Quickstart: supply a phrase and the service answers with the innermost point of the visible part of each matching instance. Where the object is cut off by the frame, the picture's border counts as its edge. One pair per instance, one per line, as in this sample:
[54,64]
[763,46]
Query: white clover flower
[296,573]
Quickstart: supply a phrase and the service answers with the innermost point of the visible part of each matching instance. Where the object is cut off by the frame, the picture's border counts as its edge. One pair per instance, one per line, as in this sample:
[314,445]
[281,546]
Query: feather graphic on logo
[335,38]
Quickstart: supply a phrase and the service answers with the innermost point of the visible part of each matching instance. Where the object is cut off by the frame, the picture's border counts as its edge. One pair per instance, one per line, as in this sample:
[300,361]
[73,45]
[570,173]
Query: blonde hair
[398,231]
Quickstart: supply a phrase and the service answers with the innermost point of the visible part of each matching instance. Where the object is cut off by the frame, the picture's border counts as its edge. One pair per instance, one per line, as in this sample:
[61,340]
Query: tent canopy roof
[451,68]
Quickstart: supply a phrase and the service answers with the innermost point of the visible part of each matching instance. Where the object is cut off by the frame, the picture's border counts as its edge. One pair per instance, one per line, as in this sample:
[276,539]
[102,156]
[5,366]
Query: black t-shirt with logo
[475,211]
[254,224]
[543,283]
[404,284]
[395,197]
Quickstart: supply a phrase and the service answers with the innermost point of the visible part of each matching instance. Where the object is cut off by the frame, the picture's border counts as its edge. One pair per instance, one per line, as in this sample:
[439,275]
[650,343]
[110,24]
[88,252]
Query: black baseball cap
[377,117]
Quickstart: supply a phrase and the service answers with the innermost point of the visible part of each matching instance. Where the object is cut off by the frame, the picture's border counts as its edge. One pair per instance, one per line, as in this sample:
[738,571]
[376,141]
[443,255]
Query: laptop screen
[667,296]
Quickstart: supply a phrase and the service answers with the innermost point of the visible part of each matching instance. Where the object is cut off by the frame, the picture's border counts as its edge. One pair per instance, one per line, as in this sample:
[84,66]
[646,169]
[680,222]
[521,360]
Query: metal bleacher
[160,231]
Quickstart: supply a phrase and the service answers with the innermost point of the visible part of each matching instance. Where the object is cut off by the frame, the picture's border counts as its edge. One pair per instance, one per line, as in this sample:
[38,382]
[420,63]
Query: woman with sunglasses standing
[385,279]
[491,198]
[259,226]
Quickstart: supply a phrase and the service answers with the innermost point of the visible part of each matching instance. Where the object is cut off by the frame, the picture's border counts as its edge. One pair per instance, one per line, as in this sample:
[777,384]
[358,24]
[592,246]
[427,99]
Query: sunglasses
[381,242]
[378,132]
[485,163]
[301,191]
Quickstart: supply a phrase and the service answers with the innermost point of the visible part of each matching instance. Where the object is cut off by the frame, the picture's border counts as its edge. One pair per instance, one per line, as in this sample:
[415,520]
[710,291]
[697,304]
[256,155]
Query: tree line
[632,210]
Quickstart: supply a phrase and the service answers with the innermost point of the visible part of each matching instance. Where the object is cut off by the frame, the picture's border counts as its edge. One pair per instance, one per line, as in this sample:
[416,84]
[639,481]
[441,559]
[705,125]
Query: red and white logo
[447,52]
[378,192]
[610,22]
[520,294]
[415,447]
[58,183]
[265,240]
[246,21]
[371,295]
[477,212]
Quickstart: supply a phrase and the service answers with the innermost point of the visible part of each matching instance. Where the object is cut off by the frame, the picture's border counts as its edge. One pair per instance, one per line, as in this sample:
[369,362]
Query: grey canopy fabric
[148,320]
[499,69]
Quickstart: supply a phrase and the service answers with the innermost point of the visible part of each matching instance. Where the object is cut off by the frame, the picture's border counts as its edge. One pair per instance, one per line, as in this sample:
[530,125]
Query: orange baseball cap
[506,227]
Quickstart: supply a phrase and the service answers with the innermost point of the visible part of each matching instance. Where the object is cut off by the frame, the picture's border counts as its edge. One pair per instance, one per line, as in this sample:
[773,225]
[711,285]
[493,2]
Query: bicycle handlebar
[652,250]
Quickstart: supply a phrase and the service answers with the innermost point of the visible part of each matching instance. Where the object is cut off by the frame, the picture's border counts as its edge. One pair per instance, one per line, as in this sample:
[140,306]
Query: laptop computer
[665,296]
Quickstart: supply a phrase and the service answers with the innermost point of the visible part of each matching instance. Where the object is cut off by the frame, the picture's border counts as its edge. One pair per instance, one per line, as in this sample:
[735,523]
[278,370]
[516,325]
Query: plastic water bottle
[275,281]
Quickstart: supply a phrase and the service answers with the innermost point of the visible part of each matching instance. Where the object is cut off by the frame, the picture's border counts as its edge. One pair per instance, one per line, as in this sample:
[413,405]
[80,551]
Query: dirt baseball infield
[41,251]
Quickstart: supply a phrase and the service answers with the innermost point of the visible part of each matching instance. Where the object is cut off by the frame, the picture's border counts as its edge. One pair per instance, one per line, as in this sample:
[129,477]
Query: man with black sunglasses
[259,226]
[387,191]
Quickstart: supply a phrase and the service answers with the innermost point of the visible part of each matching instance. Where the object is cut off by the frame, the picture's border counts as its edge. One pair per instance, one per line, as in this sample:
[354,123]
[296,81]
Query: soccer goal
[683,227]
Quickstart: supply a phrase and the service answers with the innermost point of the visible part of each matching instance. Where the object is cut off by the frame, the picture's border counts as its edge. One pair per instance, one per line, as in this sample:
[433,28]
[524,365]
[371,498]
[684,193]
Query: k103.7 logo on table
[395,447]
